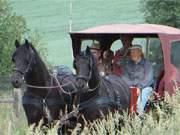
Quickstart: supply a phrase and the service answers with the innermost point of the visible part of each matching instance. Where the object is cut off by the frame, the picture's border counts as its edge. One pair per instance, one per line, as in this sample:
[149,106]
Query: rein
[90,90]
[54,87]
[52,76]
[84,78]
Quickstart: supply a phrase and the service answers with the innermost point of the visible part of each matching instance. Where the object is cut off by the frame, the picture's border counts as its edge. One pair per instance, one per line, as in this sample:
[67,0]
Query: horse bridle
[90,72]
[89,76]
[28,66]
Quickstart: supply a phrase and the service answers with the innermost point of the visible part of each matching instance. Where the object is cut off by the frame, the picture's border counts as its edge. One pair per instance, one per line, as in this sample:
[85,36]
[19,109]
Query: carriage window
[175,59]
[152,51]
[86,43]
[116,45]
[155,55]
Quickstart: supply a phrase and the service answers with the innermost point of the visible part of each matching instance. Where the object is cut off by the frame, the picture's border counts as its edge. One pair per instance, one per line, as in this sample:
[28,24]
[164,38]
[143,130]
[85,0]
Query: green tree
[13,27]
[165,12]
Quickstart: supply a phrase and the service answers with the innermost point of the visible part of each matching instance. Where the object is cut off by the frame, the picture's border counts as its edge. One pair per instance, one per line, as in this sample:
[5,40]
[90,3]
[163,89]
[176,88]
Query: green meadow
[51,18]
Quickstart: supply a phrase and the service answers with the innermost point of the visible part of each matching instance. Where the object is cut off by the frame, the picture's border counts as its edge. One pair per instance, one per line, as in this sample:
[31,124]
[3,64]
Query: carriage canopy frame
[107,34]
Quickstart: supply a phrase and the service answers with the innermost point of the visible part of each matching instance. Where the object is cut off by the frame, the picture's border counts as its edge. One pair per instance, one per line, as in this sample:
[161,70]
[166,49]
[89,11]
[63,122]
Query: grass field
[164,121]
[51,19]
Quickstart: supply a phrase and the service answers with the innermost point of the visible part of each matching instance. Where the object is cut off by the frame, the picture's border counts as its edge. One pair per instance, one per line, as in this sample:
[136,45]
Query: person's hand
[138,90]
[105,55]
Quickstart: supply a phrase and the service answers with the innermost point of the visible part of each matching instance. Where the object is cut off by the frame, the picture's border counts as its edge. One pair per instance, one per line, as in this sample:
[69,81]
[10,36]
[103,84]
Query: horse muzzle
[16,80]
[82,84]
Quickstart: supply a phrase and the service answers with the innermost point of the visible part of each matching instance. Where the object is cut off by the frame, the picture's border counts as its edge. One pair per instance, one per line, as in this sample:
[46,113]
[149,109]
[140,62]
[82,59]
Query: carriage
[160,44]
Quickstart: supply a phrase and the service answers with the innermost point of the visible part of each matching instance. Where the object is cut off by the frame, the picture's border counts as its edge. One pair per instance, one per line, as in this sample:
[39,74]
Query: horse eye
[13,60]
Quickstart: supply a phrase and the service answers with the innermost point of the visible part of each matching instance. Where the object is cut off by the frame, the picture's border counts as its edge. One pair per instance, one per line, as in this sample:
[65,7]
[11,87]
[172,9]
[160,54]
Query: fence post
[17,101]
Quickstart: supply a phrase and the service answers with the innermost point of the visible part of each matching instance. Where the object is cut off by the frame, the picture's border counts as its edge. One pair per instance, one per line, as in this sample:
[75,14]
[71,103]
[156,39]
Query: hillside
[51,19]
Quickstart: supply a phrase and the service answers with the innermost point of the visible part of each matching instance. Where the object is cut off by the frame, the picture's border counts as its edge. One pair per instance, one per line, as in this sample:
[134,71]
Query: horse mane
[34,50]
[83,54]
[94,64]
[37,57]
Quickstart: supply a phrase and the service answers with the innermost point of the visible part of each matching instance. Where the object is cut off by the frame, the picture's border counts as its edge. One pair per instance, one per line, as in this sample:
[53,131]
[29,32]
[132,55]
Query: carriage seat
[65,76]
[62,70]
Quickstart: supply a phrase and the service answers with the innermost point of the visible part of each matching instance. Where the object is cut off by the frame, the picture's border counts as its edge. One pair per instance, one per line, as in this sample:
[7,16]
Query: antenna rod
[70,16]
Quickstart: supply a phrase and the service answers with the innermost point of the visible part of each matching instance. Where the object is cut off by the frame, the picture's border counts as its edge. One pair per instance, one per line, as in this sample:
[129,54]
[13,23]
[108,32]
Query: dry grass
[167,124]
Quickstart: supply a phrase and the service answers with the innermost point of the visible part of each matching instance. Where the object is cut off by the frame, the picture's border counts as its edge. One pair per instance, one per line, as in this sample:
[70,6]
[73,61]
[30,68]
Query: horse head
[86,68]
[23,59]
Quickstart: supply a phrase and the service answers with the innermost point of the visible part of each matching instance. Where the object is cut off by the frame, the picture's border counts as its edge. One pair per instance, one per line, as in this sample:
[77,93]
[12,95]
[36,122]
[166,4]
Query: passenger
[105,66]
[120,57]
[138,72]
[95,49]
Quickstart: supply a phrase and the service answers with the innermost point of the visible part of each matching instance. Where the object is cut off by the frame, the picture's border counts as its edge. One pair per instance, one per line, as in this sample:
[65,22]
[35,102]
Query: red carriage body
[168,75]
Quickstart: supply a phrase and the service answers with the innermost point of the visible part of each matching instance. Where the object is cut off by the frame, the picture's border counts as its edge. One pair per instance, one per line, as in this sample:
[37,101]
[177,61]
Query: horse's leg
[34,114]
[56,114]
[93,114]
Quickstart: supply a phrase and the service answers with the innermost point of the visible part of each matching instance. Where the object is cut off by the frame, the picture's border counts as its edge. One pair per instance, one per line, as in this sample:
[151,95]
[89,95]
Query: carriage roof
[107,34]
[129,29]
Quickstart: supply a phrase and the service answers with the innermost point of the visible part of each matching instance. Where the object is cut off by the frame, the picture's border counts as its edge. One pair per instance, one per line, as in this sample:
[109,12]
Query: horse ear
[88,50]
[27,43]
[17,43]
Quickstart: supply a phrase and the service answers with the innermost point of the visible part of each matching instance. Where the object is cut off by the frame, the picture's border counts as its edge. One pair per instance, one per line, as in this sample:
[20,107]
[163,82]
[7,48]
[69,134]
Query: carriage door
[155,56]
[175,63]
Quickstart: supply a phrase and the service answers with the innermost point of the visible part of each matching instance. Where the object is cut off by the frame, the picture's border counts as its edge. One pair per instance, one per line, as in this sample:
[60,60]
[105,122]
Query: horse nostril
[80,84]
[16,81]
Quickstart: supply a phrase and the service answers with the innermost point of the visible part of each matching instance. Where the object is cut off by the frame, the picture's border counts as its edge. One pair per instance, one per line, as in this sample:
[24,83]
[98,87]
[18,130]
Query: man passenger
[95,49]
[120,57]
[138,72]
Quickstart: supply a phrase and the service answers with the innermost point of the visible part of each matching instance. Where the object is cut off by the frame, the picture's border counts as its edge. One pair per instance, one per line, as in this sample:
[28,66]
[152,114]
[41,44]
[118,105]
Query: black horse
[98,95]
[45,96]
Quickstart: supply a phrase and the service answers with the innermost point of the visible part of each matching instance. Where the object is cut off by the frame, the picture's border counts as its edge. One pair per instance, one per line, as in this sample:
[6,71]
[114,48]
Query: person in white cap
[138,72]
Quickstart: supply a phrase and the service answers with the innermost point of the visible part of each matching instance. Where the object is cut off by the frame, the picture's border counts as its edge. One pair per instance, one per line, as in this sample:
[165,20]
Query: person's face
[107,55]
[96,53]
[126,41]
[135,55]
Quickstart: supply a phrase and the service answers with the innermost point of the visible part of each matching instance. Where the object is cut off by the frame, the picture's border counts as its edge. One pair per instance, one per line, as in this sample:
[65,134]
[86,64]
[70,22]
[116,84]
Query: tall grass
[9,124]
[164,120]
